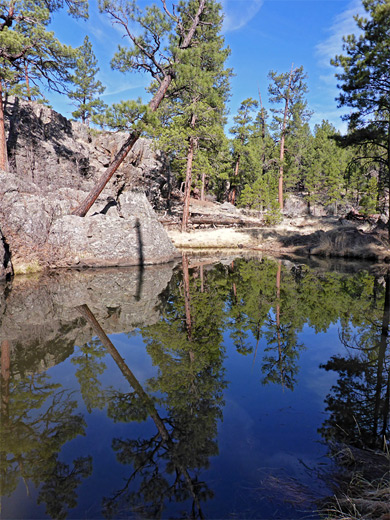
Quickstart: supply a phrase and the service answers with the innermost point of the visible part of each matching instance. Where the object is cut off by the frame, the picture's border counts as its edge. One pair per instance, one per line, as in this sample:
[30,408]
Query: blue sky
[262,35]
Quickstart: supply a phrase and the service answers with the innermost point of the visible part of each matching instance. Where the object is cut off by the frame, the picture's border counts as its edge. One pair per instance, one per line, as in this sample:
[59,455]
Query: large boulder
[134,238]
[40,232]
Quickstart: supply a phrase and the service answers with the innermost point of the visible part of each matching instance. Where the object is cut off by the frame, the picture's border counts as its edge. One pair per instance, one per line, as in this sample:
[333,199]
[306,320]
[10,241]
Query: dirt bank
[322,236]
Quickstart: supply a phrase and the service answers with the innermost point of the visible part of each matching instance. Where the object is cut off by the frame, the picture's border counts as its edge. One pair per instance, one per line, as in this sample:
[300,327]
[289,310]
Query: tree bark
[282,139]
[27,81]
[234,189]
[3,141]
[203,186]
[82,210]
[187,189]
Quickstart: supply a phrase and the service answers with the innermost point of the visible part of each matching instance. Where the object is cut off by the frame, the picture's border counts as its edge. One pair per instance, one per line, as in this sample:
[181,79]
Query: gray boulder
[134,238]
[40,232]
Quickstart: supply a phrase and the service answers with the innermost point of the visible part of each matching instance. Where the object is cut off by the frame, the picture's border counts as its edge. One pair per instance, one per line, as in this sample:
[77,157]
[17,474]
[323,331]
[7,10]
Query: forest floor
[222,227]
[262,238]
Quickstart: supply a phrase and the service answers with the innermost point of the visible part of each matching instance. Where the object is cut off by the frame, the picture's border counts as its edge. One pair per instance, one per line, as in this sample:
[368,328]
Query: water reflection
[165,437]
[359,402]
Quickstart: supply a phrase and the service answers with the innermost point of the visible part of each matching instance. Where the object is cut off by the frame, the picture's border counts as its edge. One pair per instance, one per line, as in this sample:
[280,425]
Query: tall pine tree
[287,89]
[365,87]
[193,130]
[87,86]
[158,41]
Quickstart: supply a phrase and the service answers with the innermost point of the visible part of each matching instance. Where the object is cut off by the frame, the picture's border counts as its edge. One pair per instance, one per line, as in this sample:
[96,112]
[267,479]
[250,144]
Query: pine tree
[193,130]
[158,47]
[87,86]
[365,88]
[241,132]
[325,177]
[26,42]
[287,89]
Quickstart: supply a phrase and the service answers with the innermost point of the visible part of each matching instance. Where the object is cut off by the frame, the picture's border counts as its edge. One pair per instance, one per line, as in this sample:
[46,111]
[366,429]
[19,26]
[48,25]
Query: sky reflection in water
[207,392]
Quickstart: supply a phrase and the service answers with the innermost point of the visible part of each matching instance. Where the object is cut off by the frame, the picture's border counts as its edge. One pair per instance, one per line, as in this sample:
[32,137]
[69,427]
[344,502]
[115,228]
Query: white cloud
[343,25]
[239,13]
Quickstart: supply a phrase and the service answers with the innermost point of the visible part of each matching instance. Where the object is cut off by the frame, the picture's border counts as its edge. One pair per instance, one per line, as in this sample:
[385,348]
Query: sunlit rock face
[53,153]
[54,164]
[120,299]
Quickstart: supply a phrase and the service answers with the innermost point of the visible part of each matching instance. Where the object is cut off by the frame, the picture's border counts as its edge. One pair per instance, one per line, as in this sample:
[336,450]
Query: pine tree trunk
[27,82]
[187,189]
[232,198]
[3,141]
[203,186]
[82,210]
[282,140]
[281,170]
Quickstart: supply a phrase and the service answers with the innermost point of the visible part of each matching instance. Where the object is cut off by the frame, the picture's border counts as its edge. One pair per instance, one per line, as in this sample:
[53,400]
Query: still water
[189,391]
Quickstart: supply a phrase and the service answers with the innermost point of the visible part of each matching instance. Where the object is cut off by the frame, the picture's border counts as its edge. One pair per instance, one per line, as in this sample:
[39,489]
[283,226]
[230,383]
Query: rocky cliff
[53,165]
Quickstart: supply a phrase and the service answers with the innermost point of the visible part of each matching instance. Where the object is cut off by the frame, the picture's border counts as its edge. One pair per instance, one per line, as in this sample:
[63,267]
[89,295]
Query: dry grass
[359,492]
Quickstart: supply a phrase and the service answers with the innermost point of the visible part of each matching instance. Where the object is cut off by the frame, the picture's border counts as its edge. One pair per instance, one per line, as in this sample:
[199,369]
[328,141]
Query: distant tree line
[268,155]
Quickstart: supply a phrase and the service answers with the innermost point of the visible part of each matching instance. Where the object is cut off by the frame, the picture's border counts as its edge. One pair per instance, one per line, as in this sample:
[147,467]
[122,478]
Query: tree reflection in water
[264,307]
[37,419]
[186,346]
[359,402]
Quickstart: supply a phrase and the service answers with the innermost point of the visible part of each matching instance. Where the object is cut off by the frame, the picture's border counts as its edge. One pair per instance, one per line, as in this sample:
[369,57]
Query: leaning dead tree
[148,53]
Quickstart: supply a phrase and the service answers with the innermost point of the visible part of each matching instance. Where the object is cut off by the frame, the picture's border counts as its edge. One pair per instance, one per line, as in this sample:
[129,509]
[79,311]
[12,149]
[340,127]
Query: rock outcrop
[54,164]
[48,150]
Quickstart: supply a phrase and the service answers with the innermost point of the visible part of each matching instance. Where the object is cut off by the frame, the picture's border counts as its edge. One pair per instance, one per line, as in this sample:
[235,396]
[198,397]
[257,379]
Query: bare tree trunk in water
[128,374]
[3,141]
[187,302]
[83,208]
[280,360]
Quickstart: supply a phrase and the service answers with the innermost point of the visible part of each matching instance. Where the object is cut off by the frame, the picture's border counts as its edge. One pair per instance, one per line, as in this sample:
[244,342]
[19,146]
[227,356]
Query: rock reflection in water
[165,432]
